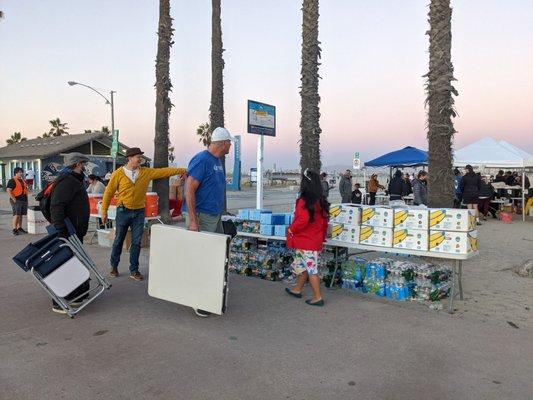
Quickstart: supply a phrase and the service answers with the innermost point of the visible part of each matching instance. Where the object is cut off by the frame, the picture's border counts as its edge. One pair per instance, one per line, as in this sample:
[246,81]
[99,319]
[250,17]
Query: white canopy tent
[490,153]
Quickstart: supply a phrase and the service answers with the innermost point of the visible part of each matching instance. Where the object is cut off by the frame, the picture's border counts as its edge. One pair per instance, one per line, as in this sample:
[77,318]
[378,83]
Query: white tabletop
[112,219]
[392,250]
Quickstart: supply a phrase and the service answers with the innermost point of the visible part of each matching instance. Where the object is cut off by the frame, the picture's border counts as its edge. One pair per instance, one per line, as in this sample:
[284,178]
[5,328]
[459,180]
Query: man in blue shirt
[204,191]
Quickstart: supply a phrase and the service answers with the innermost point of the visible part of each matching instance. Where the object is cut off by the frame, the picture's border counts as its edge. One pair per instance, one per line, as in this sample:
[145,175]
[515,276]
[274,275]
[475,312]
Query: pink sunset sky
[374,54]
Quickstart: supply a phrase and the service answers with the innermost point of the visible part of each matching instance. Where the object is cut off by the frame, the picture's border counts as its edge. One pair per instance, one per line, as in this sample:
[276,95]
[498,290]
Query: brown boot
[137,276]
[113,273]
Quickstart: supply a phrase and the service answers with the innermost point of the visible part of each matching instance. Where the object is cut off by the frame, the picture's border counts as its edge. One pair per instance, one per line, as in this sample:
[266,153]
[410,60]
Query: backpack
[44,197]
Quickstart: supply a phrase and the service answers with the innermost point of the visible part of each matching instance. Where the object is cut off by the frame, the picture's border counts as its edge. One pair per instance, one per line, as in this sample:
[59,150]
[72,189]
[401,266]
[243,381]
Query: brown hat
[133,151]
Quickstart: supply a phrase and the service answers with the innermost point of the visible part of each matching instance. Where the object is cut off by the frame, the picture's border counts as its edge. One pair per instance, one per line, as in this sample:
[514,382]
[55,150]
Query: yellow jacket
[133,195]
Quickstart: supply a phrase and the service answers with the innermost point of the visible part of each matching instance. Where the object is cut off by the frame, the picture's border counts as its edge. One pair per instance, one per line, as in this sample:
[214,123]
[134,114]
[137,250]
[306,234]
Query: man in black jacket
[397,186]
[69,200]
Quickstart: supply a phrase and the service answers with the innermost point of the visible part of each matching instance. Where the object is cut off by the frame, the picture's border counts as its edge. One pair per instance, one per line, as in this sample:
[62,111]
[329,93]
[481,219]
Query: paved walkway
[268,346]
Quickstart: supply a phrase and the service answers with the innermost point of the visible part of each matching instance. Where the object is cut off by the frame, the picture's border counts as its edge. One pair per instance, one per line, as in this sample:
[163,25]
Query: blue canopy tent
[406,157]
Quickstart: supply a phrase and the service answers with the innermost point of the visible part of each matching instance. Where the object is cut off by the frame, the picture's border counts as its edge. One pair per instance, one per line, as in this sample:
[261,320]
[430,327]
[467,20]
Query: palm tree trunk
[440,104]
[310,113]
[162,103]
[216,110]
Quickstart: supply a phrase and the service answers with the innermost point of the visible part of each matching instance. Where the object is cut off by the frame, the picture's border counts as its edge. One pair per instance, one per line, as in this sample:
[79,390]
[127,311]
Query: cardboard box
[243,214]
[344,233]
[289,217]
[347,214]
[452,242]
[452,219]
[255,214]
[267,230]
[280,230]
[272,219]
[412,239]
[411,218]
[376,236]
[377,216]
[145,240]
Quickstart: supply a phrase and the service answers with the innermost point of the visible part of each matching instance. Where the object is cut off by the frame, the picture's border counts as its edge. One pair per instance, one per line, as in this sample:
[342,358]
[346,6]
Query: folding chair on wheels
[60,266]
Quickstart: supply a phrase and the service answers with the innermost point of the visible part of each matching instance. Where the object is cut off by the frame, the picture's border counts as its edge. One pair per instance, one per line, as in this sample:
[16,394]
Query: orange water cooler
[151,209]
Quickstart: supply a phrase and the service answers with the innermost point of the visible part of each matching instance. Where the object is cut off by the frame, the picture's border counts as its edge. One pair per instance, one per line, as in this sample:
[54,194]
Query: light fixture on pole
[110,102]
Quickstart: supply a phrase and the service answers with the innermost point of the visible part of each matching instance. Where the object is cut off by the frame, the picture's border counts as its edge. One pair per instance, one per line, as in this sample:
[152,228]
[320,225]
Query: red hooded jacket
[305,235]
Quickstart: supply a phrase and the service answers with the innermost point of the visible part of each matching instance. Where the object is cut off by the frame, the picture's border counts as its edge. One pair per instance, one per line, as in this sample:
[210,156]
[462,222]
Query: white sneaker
[58,310]
[201,313]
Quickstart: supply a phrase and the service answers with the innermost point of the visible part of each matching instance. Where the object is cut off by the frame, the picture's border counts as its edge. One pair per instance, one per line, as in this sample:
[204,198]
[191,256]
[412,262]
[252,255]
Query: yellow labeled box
[343,233]
[406,218]
[377,216]
[452,219]
[411,239]
[376,236]
[347,214]
[452,242]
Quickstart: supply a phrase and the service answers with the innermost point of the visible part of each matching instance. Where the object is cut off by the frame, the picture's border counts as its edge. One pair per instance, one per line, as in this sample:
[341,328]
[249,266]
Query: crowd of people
[472,190]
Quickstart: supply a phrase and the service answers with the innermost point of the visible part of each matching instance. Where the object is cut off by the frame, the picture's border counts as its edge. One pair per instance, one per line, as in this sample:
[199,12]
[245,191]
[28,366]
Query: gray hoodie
[420,192]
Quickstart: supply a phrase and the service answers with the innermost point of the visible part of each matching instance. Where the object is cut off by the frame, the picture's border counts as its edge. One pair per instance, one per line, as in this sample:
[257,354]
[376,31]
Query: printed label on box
[412,239]
[452,242]
[377,216]
[376,236]
[452,219]
[348,214]
[405,218]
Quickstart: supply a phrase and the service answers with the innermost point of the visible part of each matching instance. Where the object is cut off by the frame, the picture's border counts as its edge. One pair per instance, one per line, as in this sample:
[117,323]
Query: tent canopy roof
[406,157]
[491,153]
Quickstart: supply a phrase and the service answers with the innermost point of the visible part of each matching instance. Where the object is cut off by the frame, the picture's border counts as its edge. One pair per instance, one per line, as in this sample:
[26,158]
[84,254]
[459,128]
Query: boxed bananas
[411,218]
[377,216]
[452,219]
[347,214]
[452,242]
[412,239]
[343,233]
[375,236]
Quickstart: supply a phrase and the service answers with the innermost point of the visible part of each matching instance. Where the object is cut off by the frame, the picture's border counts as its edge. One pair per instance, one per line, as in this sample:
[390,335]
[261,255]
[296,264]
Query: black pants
[84,287]
[372,198]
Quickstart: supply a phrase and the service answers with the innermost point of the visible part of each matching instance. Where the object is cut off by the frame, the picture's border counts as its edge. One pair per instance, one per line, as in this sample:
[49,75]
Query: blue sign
[261,118]
[236,176]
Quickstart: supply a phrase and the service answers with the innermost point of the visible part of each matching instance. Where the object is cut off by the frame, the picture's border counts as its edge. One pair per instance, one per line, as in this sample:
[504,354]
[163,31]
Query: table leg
[452,289]
[336,255]
[460,278]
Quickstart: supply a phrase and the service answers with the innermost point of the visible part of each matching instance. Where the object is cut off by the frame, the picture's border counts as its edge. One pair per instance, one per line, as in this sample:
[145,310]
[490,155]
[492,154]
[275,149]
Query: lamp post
[111,92]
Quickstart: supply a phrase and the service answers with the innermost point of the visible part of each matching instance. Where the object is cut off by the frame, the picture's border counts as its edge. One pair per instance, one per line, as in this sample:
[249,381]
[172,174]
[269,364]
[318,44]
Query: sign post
[114,148]
[261,121]
[236,175]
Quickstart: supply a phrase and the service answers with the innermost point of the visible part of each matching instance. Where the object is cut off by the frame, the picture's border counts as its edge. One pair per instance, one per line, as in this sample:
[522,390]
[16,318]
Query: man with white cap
[205,188]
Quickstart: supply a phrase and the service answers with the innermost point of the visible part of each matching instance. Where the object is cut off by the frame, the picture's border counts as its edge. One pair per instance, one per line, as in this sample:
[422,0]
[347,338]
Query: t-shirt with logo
[207,169]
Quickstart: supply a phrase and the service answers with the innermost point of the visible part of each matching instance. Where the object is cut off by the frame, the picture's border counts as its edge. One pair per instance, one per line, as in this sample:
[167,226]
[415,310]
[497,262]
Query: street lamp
[72,83]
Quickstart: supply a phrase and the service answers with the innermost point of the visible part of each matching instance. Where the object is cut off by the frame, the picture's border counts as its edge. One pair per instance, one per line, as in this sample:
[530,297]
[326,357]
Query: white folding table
[457,273]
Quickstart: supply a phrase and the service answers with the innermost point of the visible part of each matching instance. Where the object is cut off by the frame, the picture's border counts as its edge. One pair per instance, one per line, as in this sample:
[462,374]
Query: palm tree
[440,104]
[58,128]
[204,133]
[310,113]
[105,129]
[162,103]
[216,110]
[16,137]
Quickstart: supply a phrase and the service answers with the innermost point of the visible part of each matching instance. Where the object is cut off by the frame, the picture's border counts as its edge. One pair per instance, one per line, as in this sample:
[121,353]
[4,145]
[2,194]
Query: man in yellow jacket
[130,182]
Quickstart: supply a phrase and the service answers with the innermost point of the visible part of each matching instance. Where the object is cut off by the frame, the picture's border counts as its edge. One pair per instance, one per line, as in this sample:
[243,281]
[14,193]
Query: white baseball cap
[220,134]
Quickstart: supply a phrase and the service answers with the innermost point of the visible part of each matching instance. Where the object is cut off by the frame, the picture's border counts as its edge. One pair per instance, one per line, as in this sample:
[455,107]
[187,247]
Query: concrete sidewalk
[268,346]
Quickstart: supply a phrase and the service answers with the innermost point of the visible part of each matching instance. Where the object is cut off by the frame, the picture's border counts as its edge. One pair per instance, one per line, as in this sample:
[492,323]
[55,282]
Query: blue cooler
[267,230]
[280,230]
[255,214]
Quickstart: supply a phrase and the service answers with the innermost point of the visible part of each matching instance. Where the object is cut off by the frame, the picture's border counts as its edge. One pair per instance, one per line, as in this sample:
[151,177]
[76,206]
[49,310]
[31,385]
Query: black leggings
[372,198]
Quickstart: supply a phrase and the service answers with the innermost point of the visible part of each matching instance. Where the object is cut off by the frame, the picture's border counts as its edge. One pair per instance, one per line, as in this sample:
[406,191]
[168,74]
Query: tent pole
[523,194]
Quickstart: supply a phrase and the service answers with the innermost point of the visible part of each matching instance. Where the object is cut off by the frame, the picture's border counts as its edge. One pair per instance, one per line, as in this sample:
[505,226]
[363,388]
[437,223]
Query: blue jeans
[125,219]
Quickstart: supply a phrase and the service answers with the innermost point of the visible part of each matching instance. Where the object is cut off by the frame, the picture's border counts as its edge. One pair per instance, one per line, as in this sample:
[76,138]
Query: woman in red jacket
[307,234]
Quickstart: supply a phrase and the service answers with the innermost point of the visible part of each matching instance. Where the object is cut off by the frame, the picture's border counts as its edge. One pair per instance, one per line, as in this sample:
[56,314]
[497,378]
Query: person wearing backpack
[68,199]
[307,235]
[18,197]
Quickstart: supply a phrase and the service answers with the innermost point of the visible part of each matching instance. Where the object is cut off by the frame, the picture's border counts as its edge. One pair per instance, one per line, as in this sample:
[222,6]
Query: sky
[374,56]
